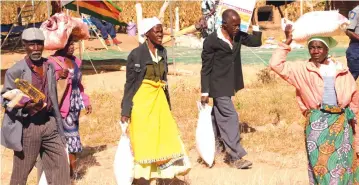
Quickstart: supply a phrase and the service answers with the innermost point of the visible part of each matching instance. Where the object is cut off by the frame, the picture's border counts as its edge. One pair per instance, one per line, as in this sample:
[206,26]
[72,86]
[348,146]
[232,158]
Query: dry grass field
[189,11]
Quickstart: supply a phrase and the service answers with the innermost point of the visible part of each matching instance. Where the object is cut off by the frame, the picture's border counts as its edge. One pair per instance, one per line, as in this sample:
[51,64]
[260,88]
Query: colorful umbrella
[104,10]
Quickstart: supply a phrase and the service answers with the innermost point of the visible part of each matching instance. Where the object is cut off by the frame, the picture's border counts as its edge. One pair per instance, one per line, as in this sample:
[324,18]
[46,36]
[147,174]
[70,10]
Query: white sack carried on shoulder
[124,161]
[318,23]
[205,141]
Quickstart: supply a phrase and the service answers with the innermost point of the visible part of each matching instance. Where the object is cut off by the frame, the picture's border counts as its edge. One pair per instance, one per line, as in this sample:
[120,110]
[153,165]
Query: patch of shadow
[174,181]
[3,72]
[89,67]
[245,128]
[86,159]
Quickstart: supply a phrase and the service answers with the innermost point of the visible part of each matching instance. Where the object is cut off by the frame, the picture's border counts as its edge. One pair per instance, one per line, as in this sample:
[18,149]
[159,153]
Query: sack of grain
[318,23]
[58,28]
[205,141]
[124,162]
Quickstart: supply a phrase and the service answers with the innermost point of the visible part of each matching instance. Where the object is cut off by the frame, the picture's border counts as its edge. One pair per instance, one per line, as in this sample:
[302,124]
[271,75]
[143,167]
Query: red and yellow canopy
[104,10]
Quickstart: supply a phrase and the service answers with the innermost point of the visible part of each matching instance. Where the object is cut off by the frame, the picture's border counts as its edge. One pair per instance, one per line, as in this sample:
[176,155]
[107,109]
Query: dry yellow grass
[259,104]
[189,11]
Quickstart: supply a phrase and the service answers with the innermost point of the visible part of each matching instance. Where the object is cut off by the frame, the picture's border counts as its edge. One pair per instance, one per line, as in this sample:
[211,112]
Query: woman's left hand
[88,109]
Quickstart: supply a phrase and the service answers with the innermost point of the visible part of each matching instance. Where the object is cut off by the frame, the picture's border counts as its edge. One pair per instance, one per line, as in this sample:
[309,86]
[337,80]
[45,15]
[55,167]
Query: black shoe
[241,164]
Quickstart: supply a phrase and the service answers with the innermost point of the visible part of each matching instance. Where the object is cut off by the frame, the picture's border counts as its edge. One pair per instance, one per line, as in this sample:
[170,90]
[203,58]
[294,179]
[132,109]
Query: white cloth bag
[205,141]
[124,161]
[43,180]
[317,23]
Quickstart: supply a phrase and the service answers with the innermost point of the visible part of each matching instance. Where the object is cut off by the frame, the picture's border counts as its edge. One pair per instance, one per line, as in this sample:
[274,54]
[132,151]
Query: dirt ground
[269,168]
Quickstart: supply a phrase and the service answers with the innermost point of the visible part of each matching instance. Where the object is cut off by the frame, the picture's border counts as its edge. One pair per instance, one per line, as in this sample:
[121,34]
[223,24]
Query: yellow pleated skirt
[158,149]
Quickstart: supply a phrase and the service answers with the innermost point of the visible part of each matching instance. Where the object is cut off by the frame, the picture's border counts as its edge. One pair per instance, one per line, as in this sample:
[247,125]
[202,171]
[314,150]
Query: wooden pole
[161,15]
[33,10]
[177,20]
[48,9]
[139,19]
[285,9]
[187,30]
[80,43]
[301,7]
[173,39]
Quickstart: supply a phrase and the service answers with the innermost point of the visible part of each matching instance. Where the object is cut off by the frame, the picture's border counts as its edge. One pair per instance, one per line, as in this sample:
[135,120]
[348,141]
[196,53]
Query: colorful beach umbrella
[104,10]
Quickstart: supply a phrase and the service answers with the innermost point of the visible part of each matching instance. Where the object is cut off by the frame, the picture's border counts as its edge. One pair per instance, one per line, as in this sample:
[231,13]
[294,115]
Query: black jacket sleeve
[207,64]
[166,80]
[254,40]
[131,76]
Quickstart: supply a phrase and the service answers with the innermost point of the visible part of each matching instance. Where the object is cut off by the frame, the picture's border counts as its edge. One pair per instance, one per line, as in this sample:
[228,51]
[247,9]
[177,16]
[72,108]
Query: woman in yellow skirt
[158,149]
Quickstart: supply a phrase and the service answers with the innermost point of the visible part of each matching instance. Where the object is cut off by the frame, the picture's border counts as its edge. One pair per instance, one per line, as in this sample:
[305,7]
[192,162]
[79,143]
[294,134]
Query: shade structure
[279,3]
[104,10]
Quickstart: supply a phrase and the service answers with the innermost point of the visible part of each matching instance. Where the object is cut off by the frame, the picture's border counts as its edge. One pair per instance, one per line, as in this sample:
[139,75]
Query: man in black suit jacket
[222,77]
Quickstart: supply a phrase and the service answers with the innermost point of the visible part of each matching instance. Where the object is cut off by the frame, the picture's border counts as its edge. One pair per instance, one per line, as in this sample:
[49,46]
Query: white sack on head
[318,23]
[58,28]
[147,24]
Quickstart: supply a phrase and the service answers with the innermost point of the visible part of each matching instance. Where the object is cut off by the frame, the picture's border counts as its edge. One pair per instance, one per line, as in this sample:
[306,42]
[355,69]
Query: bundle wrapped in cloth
[16,97]
[58,28]
[23,94]
[317,23]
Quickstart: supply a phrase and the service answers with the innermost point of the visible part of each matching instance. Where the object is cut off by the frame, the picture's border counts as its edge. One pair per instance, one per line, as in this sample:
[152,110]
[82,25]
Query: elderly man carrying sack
[34,127]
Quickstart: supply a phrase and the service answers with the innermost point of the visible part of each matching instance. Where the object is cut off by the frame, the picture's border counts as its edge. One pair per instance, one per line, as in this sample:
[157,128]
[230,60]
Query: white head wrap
[147,24]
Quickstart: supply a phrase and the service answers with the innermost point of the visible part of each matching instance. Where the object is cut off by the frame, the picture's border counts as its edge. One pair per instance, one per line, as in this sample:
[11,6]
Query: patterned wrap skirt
[71,122]
[329,143]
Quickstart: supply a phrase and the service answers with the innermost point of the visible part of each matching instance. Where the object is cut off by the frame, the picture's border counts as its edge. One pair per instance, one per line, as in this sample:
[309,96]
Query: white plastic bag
[43,180]
[205,141]
[124,161]
[317,23]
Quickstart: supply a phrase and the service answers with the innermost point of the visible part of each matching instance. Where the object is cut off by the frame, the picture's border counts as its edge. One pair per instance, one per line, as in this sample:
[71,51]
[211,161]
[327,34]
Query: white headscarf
[147,24]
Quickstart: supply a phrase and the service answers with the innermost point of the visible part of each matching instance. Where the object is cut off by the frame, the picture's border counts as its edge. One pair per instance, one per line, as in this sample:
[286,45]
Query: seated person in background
[106,29]
[208,8]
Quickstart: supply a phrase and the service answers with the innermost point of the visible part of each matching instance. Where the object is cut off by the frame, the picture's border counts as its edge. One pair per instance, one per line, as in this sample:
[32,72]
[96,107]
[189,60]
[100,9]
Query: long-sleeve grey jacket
[11,130]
